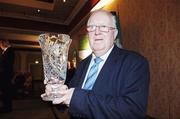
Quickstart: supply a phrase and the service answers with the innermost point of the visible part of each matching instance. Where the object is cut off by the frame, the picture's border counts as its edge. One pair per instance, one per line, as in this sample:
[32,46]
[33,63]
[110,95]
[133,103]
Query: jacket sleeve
[130,104]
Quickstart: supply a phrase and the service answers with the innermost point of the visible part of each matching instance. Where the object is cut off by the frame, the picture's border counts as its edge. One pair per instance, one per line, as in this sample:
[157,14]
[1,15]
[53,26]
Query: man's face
[1,44]
[102,38]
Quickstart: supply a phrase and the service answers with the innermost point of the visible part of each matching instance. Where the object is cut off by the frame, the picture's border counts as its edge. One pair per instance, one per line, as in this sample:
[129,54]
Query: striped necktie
[92,75]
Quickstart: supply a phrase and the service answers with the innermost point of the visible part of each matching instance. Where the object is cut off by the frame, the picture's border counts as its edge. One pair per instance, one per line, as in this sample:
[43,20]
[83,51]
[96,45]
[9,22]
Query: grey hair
[106,12]
[114,21]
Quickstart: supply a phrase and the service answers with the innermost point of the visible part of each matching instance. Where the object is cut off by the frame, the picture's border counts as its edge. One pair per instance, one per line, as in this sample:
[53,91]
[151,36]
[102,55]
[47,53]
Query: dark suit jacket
[120,91]
[7,61]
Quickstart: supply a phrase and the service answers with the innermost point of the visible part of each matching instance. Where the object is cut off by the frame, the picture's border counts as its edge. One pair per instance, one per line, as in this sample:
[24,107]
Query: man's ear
[115,33]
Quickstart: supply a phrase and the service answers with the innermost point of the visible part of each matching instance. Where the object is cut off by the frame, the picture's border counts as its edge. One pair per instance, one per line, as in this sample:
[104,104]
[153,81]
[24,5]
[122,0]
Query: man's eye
[103,26]
[92,27]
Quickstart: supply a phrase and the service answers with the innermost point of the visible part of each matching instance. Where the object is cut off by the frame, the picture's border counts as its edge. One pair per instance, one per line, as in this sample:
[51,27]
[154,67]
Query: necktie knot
[97,60]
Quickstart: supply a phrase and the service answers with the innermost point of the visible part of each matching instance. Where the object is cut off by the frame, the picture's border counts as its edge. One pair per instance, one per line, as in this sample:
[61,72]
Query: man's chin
[98,50]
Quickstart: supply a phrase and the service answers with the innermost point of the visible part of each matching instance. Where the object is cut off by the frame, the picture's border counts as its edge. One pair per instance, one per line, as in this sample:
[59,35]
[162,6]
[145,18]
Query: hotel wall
[76,36]
[151,27]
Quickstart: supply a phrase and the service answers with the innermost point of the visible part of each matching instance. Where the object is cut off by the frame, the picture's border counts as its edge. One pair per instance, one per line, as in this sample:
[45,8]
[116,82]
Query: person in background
[18,81]
[0,59]
[111,83]
[28,83]
[6,75]
[70,72]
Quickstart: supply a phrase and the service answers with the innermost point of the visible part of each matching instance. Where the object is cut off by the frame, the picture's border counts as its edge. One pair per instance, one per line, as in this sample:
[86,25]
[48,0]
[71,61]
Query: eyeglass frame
[94,27]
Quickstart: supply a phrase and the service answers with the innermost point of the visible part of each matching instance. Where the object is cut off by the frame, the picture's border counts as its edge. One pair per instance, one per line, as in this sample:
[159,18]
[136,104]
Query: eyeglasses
[92,28]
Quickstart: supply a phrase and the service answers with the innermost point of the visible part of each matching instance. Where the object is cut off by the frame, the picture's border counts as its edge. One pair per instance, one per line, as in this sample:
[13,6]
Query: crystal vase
[54,49]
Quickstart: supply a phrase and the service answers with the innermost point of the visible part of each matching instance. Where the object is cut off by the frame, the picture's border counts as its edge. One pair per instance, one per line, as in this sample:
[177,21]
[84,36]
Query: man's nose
[97,31]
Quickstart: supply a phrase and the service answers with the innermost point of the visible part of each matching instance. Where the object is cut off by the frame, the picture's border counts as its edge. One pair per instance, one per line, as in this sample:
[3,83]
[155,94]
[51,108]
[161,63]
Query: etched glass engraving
[55,55]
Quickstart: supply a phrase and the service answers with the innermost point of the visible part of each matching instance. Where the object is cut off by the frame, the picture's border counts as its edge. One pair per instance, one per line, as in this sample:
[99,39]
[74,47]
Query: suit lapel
[105,74]
[85,68]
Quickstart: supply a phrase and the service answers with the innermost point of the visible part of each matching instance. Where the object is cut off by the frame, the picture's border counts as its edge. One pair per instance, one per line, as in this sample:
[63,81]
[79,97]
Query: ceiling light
[38,10]
[36,62]
[64,0]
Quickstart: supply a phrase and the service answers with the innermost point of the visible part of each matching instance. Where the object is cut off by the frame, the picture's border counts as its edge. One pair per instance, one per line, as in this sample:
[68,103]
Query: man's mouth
[98,39]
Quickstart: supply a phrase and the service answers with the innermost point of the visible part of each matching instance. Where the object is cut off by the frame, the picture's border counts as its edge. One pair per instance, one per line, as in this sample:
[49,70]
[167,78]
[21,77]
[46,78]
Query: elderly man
[111,83]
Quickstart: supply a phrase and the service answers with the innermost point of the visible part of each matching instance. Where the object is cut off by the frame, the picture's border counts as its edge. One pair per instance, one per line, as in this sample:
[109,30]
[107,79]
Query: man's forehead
[100,19]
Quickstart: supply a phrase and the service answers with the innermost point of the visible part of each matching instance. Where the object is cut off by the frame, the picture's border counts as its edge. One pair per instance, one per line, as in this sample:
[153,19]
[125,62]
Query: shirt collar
[105,56]
[5,49]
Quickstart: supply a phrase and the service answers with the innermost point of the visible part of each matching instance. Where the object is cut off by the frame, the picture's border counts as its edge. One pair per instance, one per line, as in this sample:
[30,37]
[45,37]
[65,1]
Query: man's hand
[53,89]
[65,98]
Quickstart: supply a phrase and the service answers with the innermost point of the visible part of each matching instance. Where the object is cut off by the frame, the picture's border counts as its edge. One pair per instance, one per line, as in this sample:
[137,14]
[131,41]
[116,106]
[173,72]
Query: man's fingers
[64,87]
[45,81]
[51,87]
[42,95]
[59,100]
[48,87]
[64,92]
